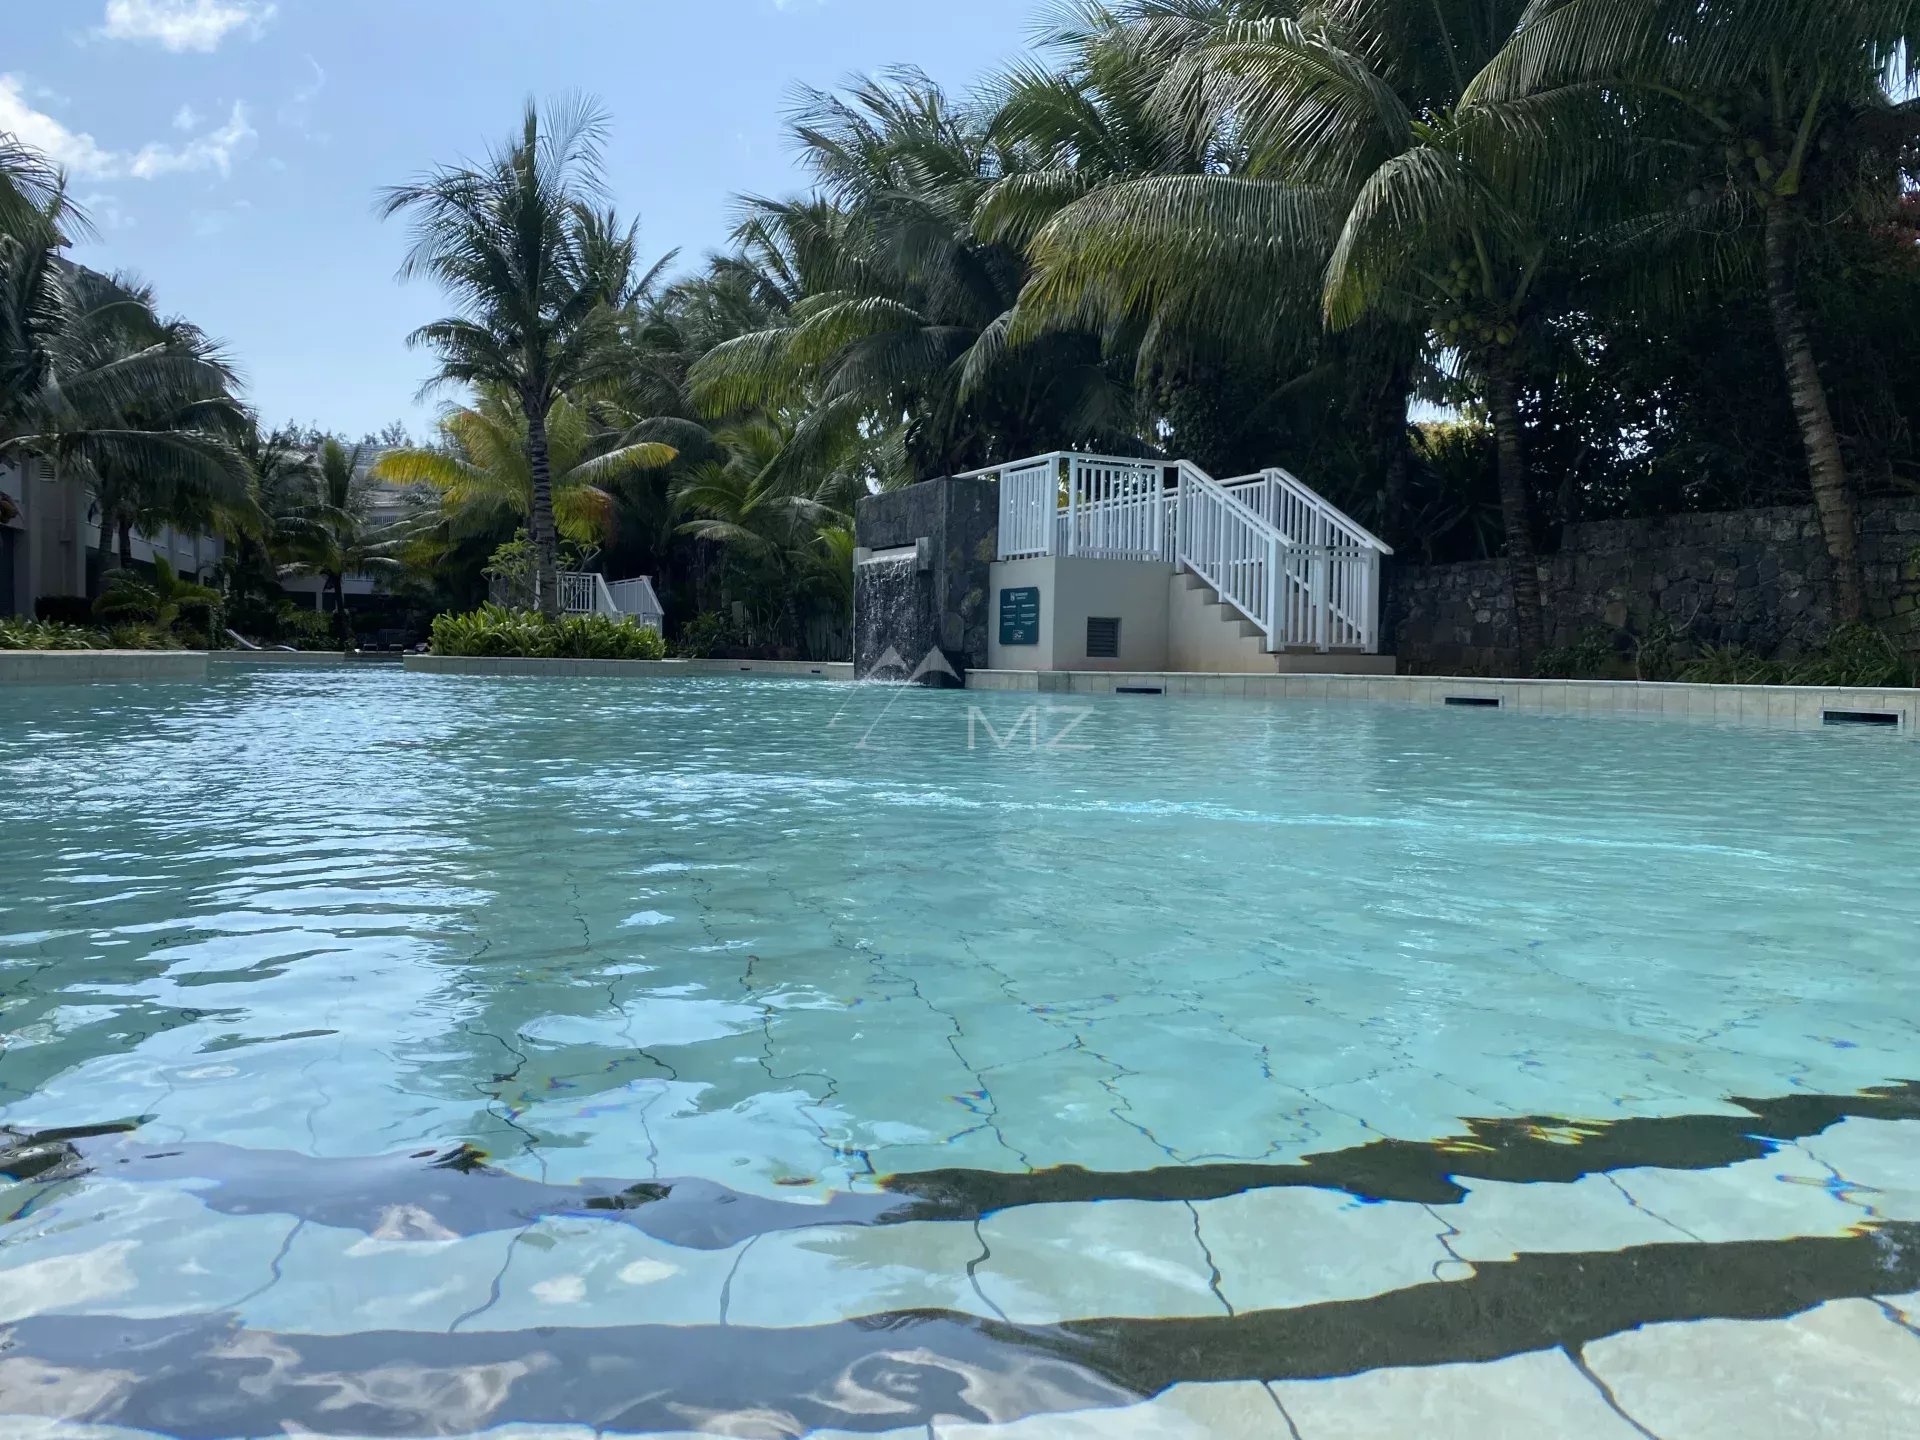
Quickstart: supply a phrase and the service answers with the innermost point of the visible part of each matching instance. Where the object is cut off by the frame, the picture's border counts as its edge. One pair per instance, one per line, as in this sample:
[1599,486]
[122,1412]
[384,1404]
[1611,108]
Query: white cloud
[80,155]
[75,152]
[214,150]
[181,25]
[186,118]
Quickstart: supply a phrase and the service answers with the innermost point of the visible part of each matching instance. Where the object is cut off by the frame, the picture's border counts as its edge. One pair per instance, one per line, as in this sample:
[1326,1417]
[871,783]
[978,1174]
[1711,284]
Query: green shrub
[21,634]
[138,635]
[307,629]
[1591,657]
[1856,655]
[494,631]
[705,635]
[1732,665]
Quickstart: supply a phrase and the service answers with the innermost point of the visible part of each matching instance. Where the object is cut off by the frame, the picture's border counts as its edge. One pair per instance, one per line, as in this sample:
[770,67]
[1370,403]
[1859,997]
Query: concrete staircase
[1206,635]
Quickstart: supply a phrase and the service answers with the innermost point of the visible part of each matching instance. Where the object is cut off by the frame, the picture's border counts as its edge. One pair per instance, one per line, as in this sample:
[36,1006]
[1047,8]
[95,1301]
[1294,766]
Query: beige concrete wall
[1073,590]
[1203,634]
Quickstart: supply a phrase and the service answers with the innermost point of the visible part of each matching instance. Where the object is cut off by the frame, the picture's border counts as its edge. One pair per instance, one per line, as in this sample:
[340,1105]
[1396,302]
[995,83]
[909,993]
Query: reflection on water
[302,963]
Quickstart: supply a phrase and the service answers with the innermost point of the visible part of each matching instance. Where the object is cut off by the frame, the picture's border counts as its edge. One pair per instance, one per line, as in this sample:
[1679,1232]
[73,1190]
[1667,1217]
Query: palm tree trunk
[1516,506]
[546,540]
[1390,420]
[1832,492]
[338,584]
[109,529]
[125,528]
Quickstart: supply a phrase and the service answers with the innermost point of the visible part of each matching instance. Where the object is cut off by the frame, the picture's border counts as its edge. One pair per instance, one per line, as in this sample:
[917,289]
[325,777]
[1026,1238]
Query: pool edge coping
[1785,706]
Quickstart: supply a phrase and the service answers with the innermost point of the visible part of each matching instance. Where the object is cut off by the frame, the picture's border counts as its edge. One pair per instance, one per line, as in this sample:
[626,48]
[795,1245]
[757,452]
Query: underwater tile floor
[392,1055]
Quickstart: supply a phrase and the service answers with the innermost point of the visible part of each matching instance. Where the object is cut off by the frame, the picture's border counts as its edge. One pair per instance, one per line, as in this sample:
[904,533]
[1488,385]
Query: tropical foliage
[493,630]
[1475,269]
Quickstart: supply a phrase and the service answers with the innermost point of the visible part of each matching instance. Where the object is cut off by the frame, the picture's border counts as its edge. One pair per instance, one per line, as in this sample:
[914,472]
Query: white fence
[582,593]
[637,600]
[1296,566]
[1100,506]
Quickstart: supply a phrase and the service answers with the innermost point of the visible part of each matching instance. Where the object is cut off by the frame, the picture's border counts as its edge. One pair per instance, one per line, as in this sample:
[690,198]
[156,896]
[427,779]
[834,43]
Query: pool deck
[1776,706]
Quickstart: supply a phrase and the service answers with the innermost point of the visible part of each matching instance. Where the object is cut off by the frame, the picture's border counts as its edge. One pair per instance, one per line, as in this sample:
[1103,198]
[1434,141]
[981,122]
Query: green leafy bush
[1732,665]
[306,629]
[1591,657]
[139,635]
[1856,655]
[21,634]
[495,631]
[705,635]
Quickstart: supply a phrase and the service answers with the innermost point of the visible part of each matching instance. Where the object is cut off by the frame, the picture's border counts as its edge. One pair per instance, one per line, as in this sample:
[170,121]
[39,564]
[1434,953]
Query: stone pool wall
[75,667]
[1754,578]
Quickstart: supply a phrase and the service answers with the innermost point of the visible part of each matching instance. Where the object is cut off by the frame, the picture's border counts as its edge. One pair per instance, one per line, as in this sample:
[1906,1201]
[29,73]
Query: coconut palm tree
[1349,185]
[33,193]
[537,272]
[790,538]
[96,384]
[485,480]
[329,529]
[1776,121]
[900,312]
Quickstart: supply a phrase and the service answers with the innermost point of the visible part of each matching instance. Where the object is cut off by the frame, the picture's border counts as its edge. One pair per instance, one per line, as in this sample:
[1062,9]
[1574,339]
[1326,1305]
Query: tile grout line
[986,1254]
[1213,1266]
[1575,1354]
[1896,1317]
[1293,1430]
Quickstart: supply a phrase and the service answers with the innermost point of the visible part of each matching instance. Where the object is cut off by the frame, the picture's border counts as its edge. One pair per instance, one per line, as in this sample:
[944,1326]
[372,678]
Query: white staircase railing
[1295,566]
[1103,507]
[1320,576]
[637,600]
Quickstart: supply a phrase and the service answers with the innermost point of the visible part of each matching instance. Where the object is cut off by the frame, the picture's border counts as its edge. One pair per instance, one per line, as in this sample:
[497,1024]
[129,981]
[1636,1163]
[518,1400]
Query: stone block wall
[911,611]
[1755,578]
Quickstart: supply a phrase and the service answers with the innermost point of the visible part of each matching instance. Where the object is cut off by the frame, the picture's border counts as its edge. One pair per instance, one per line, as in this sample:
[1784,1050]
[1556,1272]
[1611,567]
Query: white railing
[1229,546]
[579,594]
[1297,567]
[636,599]
[1102,507]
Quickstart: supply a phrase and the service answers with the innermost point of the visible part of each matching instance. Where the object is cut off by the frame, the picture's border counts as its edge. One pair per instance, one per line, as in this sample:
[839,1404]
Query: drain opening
[1861,717]
[1138,690]
[1475,702]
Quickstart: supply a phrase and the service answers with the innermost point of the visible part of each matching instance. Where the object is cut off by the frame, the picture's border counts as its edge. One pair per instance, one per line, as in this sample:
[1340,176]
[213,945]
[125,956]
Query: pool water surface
[399,1055]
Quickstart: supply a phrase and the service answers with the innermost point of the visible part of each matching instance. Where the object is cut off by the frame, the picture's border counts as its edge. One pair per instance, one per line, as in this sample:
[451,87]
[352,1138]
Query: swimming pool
[400,1055]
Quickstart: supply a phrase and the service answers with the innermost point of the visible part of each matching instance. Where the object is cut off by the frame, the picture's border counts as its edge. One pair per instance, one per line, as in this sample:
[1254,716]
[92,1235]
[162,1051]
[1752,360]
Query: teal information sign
[1020,616]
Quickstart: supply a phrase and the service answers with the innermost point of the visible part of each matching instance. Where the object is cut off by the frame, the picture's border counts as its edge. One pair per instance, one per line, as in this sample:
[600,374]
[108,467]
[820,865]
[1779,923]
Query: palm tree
[94,382]
[792,540]
[32,191]
[537,272]
[485,481]
[329,528]
[1777,120]
[1347,180]
[899,312]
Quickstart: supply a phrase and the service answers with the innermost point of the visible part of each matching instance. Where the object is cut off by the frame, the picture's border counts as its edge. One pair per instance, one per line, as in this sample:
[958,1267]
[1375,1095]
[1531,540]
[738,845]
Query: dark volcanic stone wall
[898,607]
[1754,578]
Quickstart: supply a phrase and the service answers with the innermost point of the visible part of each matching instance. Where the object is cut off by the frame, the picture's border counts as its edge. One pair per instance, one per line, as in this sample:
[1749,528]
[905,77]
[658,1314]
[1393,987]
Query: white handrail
[1301,570]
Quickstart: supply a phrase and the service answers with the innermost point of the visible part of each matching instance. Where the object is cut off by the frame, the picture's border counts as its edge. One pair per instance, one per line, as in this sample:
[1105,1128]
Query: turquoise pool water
[359,1020]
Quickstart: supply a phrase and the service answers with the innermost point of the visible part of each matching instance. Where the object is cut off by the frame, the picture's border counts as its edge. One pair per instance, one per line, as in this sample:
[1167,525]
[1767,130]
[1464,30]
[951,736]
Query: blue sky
[230,150]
